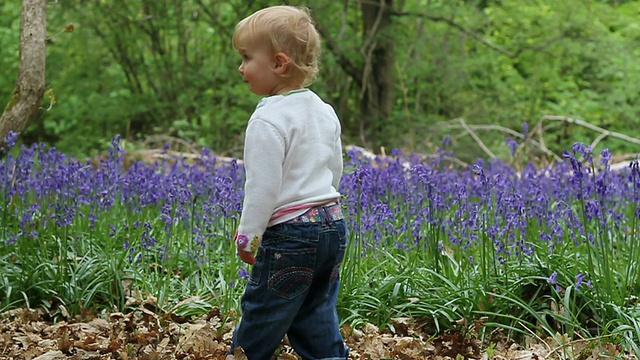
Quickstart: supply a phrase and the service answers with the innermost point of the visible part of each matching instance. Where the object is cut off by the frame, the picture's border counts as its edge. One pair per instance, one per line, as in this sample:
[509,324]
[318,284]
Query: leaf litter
[144,333]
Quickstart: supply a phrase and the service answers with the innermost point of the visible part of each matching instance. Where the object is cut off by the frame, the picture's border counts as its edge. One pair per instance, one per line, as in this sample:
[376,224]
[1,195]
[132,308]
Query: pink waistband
[291,209]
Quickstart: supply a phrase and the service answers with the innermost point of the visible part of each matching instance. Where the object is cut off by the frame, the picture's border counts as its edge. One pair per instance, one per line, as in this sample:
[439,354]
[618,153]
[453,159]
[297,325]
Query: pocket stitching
[283,275]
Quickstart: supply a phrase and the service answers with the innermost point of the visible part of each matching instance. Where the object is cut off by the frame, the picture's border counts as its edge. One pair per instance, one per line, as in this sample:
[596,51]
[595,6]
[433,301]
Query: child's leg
[314,333]
[262,327]
[280,281]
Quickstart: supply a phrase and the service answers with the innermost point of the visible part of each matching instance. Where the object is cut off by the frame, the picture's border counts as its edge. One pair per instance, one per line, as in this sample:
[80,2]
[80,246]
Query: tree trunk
[27,95]
[376,96]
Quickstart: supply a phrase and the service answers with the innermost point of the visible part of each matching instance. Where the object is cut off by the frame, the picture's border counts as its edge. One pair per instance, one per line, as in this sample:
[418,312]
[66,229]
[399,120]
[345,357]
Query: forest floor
[144,334]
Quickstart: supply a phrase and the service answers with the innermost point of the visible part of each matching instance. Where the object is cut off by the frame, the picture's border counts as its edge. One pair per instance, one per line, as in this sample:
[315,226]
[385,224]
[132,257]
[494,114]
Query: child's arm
[336,164]
[263,158]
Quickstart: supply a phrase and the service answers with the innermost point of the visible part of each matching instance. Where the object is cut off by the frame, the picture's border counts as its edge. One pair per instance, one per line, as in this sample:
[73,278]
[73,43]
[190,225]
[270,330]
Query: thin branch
[571,344]
[345,62]
[157,139]
[538,129]
[538,144]
[481,39]
[369,46]
[475,137]
[598,139]
[535,335]
[582,123]
[462,29]
[214,18]
[371,33]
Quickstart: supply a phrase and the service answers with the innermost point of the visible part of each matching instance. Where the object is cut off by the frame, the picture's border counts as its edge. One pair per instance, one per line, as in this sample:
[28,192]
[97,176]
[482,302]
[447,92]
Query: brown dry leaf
[64,343]
[408,348]
[287,356]
[370,329]
[51,355]
[401,325]
[90,342]
[143,334]
[238,354]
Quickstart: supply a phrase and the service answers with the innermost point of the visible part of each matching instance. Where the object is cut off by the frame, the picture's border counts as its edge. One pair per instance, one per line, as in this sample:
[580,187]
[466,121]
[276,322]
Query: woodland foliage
[394,70]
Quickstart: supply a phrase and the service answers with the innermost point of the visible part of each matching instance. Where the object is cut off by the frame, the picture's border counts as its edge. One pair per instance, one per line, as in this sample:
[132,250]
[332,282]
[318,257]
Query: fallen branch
[603,132]
[155,154]
[453,124]
[538,132]
[166,139]
[572,344]
[475,136]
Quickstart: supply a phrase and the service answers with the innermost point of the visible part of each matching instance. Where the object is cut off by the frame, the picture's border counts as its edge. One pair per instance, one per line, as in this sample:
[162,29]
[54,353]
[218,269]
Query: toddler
[291,229]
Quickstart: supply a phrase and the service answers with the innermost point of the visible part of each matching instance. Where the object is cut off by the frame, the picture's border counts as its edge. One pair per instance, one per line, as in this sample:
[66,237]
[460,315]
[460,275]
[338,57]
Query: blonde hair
[286,29]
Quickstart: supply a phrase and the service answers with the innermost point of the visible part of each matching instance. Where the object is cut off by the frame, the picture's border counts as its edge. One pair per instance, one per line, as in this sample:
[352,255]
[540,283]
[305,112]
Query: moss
[15,98]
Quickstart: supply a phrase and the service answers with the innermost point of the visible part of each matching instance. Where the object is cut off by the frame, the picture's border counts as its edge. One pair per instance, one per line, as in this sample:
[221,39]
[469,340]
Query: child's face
[260,71]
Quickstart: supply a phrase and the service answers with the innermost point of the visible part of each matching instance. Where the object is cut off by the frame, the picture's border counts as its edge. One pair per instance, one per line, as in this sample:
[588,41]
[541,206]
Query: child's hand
[241,243]
[247,257]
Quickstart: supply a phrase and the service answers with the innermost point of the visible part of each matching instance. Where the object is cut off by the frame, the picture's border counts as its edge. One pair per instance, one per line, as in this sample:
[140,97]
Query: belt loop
[327,216]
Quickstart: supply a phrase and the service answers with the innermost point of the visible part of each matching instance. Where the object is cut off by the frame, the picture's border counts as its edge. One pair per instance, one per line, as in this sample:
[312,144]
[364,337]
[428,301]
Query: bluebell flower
[115,151]
[12,239]
[575,164]
[635,166]
[580,279]
[512,144]
[243,273]
[477,169]
[578,148]
[10,139]
[606,156]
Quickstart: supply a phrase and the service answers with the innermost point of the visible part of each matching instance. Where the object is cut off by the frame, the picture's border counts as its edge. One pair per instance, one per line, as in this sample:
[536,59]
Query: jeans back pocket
[290,271]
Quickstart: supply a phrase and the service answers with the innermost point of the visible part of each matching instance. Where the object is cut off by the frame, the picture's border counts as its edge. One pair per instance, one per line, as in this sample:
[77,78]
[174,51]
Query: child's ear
[281,63]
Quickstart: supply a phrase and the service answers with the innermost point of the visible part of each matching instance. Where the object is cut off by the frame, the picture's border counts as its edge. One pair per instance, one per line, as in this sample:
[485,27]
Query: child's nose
[241,69]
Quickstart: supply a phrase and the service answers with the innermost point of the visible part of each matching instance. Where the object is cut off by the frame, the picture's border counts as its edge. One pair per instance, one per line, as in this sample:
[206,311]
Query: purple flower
[477,169]
[606,156]
[578,148]
[580,279]
[635,166]
[552,279]
[166,147]
[575,164]
[10,139]
[512,144]
[243,273]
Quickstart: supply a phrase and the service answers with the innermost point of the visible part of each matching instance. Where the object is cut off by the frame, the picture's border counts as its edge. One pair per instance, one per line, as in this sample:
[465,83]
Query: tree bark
[376,96]
[29,89]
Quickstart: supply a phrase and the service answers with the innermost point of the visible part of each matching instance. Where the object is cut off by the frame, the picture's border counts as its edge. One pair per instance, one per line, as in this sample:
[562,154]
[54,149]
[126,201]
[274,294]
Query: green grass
[437,257]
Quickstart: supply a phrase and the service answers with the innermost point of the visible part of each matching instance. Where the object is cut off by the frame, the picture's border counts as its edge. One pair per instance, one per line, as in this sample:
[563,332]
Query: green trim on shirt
[295,91]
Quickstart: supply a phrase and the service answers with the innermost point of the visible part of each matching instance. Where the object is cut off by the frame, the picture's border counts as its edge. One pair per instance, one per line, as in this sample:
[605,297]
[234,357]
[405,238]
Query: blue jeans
[293,290]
